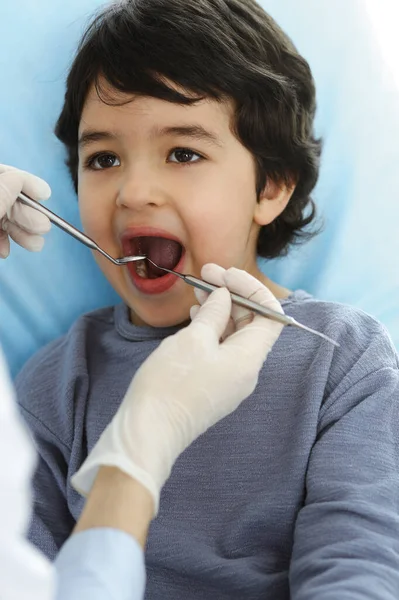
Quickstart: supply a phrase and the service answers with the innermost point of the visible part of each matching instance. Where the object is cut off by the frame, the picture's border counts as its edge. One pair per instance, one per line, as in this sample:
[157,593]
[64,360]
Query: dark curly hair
[218,49]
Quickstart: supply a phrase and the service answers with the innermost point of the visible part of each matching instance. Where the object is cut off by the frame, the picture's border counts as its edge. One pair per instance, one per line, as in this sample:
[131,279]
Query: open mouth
[164,252]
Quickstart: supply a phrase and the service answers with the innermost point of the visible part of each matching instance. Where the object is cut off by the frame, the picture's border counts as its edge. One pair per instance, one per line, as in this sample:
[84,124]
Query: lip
[151,286]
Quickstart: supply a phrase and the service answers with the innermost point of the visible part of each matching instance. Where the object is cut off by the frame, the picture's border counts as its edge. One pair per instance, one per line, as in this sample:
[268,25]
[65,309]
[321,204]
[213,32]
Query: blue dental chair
[352,261]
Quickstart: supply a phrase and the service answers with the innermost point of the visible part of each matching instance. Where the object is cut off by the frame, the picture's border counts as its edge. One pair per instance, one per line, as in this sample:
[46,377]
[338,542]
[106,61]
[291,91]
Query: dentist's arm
[119,502]
[103,559]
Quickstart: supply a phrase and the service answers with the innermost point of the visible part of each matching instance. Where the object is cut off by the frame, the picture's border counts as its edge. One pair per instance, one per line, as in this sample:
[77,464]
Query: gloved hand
[19,222]
[191,381]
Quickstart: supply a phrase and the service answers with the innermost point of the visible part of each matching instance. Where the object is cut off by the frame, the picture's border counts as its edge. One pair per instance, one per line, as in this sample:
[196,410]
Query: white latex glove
[19,222]
[191,381]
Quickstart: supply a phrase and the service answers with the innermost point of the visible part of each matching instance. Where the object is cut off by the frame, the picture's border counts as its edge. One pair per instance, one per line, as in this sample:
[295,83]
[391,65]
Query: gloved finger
[11,183]
[10,186]
[194,311]
[215,313]
[213,274]
[201,295]
[217,275]
[230,325]
[33,186]
[4,244]
[253,342]
[29,219]
[257,338]
[230,329]
[33,243]
[247,285]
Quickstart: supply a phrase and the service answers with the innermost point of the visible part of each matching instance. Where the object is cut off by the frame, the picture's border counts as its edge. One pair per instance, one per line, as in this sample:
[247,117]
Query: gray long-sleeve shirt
[295,495]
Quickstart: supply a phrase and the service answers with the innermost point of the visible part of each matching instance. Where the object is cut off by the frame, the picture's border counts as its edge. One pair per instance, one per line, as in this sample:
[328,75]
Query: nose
[140,188]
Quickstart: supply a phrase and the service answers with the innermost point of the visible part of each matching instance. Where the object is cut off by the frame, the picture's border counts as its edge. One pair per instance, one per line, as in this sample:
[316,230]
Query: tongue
[165,253]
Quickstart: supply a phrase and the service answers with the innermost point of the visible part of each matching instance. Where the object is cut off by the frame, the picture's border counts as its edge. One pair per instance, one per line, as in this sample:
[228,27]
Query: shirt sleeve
[100,564]
[346,540]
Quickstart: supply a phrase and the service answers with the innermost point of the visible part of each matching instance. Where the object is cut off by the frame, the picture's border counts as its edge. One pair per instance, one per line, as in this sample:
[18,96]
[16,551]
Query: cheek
[95,211]
[220,215]
[96,221]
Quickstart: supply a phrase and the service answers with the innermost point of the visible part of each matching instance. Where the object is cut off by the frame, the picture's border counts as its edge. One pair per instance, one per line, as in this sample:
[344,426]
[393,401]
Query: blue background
[352,261]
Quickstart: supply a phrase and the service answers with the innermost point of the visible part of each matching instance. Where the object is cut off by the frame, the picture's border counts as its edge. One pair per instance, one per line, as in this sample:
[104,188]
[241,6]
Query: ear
[272,201]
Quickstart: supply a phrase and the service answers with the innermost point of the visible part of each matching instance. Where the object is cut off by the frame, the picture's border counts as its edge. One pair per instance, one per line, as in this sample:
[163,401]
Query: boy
[189,131]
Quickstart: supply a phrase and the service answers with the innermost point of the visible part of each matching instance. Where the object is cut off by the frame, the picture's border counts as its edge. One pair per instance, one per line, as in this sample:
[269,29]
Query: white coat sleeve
[25,574]
[100,564]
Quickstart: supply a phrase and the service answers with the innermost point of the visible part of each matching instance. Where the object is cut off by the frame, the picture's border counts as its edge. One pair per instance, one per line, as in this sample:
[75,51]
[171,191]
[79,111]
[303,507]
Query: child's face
[204,195]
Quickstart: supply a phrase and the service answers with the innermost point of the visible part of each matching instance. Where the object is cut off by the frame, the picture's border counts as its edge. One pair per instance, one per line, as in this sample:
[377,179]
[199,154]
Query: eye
[102,161]
[184,155]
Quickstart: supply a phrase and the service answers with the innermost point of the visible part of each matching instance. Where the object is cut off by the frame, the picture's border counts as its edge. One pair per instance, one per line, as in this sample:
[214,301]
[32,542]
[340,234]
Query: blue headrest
[352,261]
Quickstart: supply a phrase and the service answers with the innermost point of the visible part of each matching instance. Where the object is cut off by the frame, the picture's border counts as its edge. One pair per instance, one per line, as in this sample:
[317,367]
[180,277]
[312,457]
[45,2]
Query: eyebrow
[196,132]
[92,135]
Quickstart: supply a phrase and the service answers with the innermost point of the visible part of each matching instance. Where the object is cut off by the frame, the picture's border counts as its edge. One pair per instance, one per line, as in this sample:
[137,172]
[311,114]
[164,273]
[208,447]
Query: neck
[280,292]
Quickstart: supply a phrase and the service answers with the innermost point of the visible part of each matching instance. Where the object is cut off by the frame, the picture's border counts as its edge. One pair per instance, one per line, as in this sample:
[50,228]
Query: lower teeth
[141,269]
